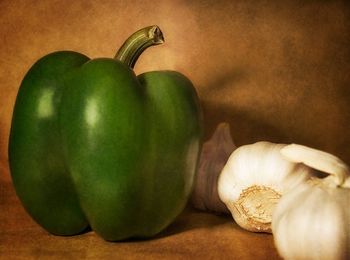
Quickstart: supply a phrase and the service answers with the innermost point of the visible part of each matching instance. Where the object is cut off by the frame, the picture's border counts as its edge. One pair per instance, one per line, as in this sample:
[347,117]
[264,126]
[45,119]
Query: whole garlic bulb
[215,153]
[313,220]
[254,179]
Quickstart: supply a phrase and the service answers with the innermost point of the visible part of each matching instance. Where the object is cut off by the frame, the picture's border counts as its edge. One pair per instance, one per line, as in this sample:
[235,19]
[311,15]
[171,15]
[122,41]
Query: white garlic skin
[313,222]
[262,166]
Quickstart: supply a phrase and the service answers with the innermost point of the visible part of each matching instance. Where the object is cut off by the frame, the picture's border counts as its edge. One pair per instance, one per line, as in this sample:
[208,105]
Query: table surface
[193,235]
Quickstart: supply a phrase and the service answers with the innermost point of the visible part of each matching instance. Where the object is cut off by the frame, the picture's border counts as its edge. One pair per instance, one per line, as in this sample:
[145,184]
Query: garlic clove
[253,180]
[215,153]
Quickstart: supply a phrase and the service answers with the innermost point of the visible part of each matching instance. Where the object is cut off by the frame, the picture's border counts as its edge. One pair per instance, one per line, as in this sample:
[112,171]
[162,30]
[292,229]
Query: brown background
[275,70]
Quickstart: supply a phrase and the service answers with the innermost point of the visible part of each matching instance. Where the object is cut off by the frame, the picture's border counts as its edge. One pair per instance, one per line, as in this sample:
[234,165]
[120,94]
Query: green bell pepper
[94,145]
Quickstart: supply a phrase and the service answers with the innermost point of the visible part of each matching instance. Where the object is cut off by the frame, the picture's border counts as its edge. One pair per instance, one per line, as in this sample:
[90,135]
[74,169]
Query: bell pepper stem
[137,43]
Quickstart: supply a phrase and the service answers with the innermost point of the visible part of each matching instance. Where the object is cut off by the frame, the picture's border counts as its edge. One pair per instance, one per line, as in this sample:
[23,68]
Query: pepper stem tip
[137,43]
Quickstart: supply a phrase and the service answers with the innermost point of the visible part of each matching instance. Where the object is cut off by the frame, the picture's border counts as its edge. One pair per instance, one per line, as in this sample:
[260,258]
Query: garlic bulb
[254,179]
[215,153]
[313,220]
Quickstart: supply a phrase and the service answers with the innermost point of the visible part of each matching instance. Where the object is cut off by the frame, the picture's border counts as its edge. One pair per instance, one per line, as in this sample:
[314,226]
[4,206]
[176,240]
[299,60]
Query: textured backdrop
[275,70]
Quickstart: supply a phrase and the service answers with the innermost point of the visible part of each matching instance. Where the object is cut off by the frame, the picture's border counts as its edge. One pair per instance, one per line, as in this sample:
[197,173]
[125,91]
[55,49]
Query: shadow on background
[245,127]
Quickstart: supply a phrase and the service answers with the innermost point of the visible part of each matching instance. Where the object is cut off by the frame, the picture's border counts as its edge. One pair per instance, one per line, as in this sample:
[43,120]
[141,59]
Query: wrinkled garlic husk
[313,220]
[215,153]
[254,179]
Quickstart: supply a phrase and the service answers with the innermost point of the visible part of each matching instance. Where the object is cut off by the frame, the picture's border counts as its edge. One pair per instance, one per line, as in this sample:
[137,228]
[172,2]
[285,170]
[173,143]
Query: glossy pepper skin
[92,144]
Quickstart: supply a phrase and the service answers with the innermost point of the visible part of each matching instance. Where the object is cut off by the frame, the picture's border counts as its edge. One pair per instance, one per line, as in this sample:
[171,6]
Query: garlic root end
[253,209]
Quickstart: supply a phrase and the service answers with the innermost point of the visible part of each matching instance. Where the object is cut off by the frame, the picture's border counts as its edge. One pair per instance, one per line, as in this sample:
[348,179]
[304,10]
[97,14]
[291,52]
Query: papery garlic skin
[313,220]
[254,179]
[215,153]
[318,160]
